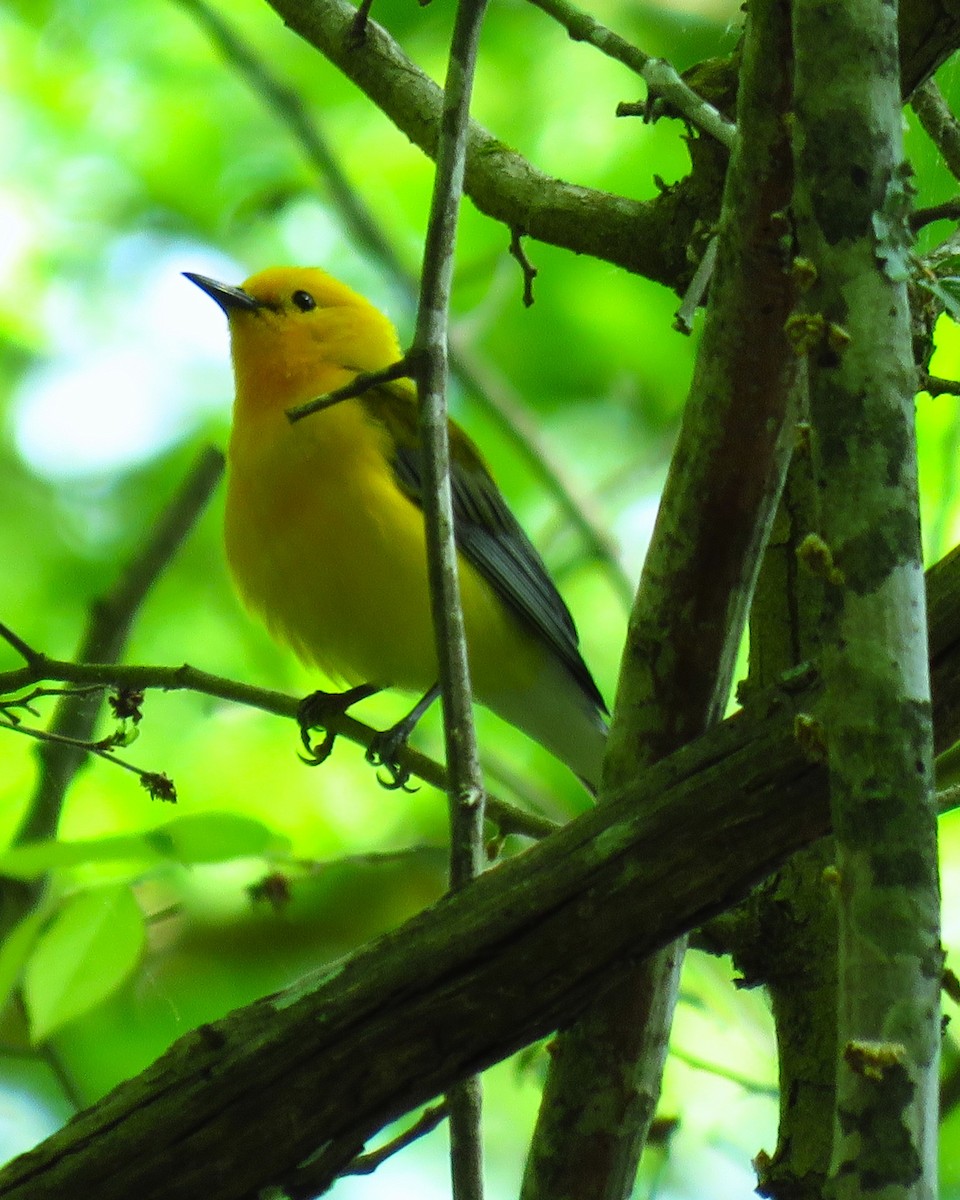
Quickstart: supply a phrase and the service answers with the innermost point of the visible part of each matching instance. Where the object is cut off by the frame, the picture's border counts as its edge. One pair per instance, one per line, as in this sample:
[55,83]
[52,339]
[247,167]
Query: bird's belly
[338,572]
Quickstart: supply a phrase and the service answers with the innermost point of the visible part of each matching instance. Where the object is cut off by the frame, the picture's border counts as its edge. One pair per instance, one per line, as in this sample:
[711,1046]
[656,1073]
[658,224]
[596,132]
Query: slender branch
[466,789]
[489,388]
[510,413]
[693,296]
[723,1072]
[526,266]
[658,74]
[14,640]
[103,749]
[313,1176]
[428,1120]
[922,217]
[356,387]
[937,386]
[187,678]
[500,182]
[430,349]
[289,108]
[938,121]
[111,618]
[690,611]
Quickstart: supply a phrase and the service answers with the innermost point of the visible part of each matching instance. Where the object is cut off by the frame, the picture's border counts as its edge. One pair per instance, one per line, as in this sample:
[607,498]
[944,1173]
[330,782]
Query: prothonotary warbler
[325,531]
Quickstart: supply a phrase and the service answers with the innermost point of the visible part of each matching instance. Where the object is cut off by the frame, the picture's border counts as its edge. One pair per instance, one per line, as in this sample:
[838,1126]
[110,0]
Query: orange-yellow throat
[325,532]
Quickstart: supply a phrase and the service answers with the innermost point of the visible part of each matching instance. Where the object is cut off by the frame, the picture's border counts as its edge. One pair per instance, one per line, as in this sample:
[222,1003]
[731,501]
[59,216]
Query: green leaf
[214,837]
[85,953]
[197,838]
[33,859]
[16,949]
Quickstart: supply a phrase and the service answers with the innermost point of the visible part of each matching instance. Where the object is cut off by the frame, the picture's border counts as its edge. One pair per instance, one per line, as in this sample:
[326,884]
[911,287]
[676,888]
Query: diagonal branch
[234,1107]
[139,677]
[110,621]
[715,514]
[240,1103]
[501,183]
[465,792]
[659,75]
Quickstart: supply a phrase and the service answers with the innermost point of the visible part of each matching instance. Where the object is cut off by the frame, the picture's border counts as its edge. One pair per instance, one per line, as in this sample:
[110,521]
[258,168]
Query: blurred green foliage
[133,151]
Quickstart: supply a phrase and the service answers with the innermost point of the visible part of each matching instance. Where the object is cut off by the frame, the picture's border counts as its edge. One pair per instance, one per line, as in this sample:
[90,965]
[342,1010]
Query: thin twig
[658,74]
[429,1119]
[26,702]
[491,390]
[466,789]
[579,507]
[526,266]
[430,347]
[361,383]
[111,618]
[938,386]
[156,782]
[25,651]
[285,104]
[358,30]
[696,1063]
[693,296]
[186,678]
[939,123]
[922,217]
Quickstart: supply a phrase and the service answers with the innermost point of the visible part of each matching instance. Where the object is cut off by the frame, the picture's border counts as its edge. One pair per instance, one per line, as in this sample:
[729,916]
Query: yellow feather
[325,537]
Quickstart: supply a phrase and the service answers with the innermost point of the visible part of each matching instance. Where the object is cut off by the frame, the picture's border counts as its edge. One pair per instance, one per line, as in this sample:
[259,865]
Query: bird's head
[296,332]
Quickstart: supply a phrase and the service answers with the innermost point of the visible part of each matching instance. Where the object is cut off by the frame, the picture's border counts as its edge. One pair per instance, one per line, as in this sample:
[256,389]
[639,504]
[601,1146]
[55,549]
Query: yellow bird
[325,531]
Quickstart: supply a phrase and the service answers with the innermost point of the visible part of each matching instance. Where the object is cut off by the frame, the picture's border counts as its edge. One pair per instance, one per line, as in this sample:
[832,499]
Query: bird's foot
[384,751]
[317,710]
[386,747]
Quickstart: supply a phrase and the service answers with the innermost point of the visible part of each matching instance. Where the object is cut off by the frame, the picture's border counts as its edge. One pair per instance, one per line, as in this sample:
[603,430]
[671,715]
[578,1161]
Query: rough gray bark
[785,936]
[850,205]
[239,1104]
[687,623]
[234,1106]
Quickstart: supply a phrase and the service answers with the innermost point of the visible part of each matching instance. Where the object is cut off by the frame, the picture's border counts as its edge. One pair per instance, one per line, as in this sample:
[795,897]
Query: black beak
[229,298]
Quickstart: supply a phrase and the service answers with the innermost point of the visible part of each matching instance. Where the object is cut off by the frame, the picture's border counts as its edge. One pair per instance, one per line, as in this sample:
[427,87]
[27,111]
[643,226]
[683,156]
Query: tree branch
[939,123]
[715,514]
[876,713]
[235,1106]
[465,779]
[501,183]
[140,677]
[659,76]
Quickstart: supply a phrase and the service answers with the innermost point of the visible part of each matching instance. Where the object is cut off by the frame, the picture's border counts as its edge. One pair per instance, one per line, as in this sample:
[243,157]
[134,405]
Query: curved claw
[383,751]
[385,747]
[317,752]
[315,712]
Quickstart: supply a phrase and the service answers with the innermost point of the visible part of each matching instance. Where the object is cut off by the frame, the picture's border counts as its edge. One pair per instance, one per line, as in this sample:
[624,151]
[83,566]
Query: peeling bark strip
[850,207]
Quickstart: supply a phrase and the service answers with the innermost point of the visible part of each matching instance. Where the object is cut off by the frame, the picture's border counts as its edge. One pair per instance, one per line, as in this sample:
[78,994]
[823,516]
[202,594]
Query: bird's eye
[304,301]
